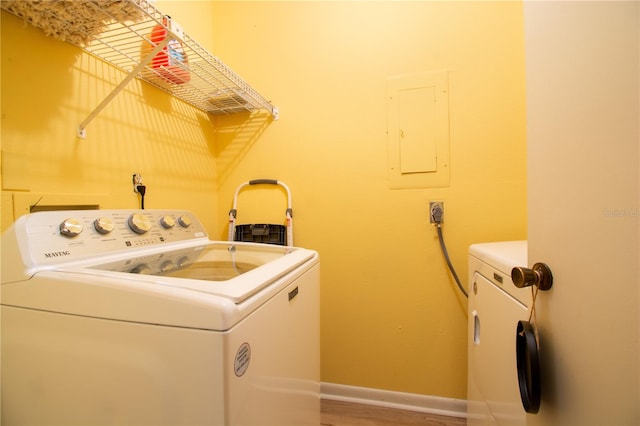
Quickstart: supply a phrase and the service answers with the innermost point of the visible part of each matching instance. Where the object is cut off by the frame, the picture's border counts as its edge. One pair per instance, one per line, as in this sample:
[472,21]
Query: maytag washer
[136,317]
[495,307]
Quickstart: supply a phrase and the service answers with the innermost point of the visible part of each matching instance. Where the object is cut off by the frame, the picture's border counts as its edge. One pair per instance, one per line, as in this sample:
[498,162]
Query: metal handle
[540,275]
[263,181]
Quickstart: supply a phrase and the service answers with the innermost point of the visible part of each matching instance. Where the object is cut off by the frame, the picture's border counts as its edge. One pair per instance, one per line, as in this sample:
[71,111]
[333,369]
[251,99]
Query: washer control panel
[52,237]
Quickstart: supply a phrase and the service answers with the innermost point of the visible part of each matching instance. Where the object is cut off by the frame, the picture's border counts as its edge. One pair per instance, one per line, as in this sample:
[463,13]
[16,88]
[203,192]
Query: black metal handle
[540,275]
[263,181]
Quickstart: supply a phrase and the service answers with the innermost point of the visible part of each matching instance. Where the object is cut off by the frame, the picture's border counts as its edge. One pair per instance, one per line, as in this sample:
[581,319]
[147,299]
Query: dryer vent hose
[449,264]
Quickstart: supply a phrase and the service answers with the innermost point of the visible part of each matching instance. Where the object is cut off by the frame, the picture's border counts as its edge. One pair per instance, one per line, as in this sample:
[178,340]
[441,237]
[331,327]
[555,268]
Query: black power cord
[436,217]
[141,189]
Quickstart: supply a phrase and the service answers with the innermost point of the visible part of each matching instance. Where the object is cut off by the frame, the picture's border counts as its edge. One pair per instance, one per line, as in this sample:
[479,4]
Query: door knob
[540,275]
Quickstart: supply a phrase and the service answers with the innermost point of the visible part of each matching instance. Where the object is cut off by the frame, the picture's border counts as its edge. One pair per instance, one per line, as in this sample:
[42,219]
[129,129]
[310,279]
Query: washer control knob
[139,223]
[70,227]
[184,221]
[167,222]
[104,225]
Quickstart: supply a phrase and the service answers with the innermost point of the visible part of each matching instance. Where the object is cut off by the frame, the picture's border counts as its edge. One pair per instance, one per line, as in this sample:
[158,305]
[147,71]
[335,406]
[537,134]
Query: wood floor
[337,413]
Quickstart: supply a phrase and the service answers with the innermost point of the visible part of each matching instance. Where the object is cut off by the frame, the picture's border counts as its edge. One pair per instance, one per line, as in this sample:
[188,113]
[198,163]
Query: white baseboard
[404,401]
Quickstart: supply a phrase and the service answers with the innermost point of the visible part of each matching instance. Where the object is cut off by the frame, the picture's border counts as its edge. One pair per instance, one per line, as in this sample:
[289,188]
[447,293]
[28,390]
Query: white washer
[495,307]
[136,317]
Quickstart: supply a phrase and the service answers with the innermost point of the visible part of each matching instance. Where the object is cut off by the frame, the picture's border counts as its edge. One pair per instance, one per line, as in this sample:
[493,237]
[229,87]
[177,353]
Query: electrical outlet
[436,212]
[136,179]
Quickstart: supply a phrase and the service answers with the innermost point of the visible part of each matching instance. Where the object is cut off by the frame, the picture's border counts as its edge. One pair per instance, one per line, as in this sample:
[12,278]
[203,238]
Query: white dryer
[137,318]
[495,307]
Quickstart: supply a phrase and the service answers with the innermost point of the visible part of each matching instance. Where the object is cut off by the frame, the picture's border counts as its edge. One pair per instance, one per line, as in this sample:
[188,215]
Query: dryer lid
[502,255]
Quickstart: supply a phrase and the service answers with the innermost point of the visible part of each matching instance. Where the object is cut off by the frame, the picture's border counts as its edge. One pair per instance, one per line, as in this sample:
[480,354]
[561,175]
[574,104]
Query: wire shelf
[120,33]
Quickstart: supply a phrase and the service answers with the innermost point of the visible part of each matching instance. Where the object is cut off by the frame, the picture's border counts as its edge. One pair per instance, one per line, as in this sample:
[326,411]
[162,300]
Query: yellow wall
[49,87]
[391,315]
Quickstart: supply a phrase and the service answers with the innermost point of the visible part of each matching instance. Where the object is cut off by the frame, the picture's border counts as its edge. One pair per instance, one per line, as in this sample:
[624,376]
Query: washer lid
[211,286]
[232,270]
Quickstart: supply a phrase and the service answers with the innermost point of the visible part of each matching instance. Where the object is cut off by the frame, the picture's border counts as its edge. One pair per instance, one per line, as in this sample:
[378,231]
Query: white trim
[405,401]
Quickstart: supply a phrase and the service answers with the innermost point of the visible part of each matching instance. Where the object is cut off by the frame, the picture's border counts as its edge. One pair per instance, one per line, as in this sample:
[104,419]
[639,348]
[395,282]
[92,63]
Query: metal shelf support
[82,132]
